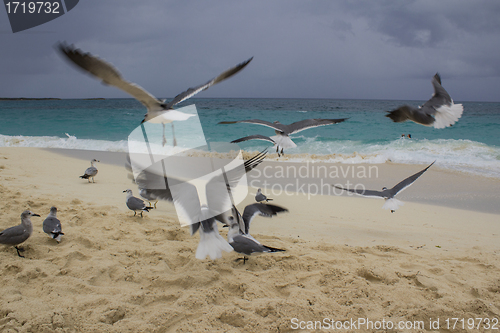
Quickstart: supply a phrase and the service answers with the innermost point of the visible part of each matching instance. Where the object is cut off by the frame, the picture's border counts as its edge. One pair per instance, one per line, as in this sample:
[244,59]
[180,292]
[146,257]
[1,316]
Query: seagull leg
[155,203]
[244,259]
[282,153]
[135,212]
[173,134]
[141,213]
[19,250]
[164,140]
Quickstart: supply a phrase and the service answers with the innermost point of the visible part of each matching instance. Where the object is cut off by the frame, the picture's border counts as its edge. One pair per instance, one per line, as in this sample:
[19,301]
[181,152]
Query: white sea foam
[461,155]
[71,142]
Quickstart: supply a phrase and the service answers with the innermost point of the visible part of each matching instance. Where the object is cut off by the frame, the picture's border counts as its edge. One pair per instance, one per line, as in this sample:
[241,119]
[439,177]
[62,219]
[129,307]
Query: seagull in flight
[389,194]
[239,236]
[439,111]
[187,202]
[282,140]
[158,111]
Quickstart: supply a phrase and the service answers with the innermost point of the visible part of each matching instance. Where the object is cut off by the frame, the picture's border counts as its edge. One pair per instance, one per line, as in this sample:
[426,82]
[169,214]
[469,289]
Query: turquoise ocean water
[471,145]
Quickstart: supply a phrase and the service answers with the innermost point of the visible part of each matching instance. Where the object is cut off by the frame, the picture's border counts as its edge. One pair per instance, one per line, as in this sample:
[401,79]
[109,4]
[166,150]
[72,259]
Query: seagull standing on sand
[239,236]
[18,234]
[52,225]
[90,172]
[282,140]
[157,110]
[389,194]
[259,197]
[439,111]
[136,204]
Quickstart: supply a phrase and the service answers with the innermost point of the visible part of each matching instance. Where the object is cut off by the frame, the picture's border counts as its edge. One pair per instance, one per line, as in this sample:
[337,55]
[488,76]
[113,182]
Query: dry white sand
[345,258]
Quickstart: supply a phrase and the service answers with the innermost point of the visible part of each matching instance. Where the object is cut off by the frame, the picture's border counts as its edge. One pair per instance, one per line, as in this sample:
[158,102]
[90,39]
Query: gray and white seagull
[239,236]
[90,172]
[52,225]
[203,218]
[389,194]
[19,233]
[136,204]
[439,111]
[282,140]
[158,111]
[260,197]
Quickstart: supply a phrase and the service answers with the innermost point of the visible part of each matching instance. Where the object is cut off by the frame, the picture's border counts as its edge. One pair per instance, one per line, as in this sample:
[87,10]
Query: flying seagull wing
[408,181]
[109,75]
[309,123]
[261,209]
[365,193]
[219,188]
[255,137]
[193,91]
[438,99]
[279,127]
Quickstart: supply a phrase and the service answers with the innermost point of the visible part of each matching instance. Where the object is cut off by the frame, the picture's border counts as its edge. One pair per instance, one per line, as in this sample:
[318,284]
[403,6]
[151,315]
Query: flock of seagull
[20,233]
[439,112]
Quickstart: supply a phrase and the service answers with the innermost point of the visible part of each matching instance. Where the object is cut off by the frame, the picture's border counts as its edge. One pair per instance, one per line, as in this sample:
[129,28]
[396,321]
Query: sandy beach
[346,258]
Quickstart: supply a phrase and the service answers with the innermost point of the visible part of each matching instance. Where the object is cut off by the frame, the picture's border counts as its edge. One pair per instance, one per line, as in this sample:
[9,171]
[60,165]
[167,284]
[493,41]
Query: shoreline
[438,187]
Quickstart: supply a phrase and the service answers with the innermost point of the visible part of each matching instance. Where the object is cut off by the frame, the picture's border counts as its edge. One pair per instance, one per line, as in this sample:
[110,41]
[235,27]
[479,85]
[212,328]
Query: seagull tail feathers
[57,236]
[447,115]
[392,204]
[273,249]
[211,244]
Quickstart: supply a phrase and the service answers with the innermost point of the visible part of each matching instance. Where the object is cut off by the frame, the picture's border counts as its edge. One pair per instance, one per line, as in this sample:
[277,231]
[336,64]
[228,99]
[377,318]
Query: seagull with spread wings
[282,140]
[439,111]
[160,186]
[158,111]
[389,194]
[239,236]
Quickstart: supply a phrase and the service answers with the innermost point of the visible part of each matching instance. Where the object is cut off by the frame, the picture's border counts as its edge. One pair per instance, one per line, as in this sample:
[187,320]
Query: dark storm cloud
[306,49]
[428,23]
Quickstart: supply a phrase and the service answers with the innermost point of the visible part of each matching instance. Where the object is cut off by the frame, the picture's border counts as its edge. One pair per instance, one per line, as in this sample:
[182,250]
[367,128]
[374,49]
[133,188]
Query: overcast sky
[302,49]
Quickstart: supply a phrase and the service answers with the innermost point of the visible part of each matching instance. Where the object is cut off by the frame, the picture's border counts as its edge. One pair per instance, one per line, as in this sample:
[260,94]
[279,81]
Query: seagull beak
[35,215]
[124,191]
